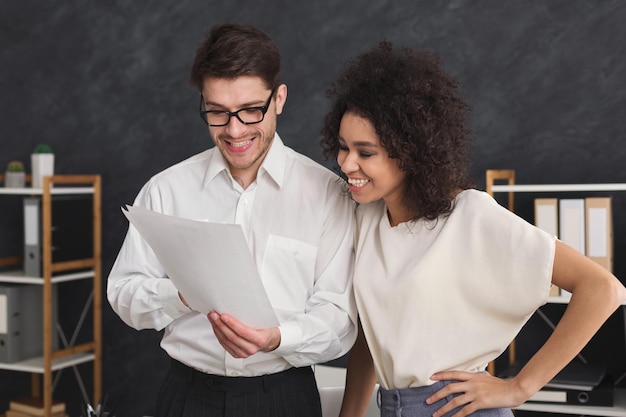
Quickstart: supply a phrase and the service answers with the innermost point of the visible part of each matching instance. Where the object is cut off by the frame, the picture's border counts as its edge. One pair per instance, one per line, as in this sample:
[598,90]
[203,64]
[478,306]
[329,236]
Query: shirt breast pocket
[288,272]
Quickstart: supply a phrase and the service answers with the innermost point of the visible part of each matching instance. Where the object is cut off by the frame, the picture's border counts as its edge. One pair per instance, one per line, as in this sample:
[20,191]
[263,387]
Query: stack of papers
[209,263]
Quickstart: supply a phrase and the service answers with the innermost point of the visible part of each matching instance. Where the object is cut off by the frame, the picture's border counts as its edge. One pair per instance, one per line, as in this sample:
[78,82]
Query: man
[299,227]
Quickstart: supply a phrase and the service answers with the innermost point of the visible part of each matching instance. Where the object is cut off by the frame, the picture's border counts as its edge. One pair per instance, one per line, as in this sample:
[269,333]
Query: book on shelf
[33,406]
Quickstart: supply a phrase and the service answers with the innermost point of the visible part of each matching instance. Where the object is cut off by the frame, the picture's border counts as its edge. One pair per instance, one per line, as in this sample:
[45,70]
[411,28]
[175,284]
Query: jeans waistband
[413,402]
[240,383]
[395,397]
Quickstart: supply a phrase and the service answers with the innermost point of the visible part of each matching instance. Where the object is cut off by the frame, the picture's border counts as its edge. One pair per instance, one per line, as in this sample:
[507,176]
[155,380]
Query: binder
[21,326]
[9,324]
[546,215]
[599,230]
[577,383]
[572,223]
[72,231]
[574,376]
[32,237]
[602,395]
[547,219]
[578,376]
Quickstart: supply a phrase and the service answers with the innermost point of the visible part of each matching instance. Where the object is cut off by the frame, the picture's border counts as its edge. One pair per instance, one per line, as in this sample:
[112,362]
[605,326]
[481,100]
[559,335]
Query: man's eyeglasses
[247,115]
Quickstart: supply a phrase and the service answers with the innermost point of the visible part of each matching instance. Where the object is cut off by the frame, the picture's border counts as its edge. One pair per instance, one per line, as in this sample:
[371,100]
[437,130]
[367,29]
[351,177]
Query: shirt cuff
[170,300]
[290,337]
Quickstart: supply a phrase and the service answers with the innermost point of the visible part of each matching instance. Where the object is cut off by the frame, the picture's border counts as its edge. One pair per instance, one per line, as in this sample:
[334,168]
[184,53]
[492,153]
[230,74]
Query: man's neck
[244,184]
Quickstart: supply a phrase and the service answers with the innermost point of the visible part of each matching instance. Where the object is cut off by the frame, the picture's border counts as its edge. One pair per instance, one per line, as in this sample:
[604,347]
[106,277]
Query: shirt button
[234,373]
[245,202]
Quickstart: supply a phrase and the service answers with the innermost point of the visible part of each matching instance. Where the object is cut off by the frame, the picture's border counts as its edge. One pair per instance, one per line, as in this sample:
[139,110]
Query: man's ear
[280,98]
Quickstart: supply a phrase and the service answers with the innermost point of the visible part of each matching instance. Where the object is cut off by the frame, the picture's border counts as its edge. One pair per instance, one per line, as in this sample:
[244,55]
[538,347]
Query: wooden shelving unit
[54,273]
[503,181]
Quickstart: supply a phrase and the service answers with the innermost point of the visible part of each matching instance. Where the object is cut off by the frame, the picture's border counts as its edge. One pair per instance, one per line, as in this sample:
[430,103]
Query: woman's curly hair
[419,116]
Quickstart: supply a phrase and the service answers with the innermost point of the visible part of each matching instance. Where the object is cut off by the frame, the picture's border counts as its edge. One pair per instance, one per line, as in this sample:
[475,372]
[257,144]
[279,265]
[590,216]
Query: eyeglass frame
[230,114]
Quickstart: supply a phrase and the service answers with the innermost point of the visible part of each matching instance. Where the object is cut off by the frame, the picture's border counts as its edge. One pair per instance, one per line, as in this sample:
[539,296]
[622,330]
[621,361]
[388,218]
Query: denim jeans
[411,402]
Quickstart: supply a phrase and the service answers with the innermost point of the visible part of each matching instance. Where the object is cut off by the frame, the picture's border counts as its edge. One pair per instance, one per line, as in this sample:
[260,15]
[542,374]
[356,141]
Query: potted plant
[42,161]
[15,176]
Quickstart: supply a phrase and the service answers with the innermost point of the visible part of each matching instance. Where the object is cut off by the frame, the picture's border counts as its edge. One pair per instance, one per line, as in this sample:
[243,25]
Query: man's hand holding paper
[242,341]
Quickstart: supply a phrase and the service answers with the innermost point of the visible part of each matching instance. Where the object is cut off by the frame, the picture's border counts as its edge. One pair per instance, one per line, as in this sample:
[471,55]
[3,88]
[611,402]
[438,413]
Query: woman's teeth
[357,183]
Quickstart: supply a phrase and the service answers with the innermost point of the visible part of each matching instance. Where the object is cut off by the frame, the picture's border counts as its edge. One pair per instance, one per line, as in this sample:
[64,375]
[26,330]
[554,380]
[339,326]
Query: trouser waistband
[240,383]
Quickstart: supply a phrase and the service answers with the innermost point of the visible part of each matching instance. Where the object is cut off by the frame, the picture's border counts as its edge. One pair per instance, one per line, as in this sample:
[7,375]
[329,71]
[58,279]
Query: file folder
[9,324]
[599,230]
[547,219]
[572,223]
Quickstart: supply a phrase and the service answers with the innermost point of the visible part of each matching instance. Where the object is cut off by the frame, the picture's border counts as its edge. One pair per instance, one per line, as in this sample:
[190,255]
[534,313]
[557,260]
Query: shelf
[18,277]
[618,409]
[36,365]
[39,191]
[527,188]
[41,368]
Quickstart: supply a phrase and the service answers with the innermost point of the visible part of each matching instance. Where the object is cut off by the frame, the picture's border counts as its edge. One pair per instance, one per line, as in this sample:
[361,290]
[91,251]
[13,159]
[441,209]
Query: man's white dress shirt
[299,224]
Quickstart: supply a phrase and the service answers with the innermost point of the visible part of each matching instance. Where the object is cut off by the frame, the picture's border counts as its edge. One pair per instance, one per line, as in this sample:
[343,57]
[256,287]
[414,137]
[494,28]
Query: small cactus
[15,176]
[15,166]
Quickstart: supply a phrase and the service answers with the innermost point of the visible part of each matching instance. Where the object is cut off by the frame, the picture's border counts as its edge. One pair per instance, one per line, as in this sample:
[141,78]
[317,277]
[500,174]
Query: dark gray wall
[105,84]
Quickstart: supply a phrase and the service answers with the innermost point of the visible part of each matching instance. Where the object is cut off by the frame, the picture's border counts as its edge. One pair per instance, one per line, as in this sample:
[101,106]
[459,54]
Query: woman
[445,277]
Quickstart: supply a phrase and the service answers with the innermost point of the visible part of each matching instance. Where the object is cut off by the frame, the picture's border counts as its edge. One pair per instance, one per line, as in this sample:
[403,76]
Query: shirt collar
[275,161]
[273,164]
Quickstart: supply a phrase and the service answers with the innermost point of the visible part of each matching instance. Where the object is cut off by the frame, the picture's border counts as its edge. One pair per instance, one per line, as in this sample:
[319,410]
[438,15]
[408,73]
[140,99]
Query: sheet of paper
[209,263]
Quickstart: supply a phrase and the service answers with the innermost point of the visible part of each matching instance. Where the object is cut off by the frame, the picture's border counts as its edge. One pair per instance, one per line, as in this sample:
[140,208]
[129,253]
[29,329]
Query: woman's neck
[398,214]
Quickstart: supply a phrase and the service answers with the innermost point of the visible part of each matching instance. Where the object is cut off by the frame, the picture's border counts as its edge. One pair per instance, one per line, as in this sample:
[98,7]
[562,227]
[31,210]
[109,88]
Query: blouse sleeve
[514,258]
